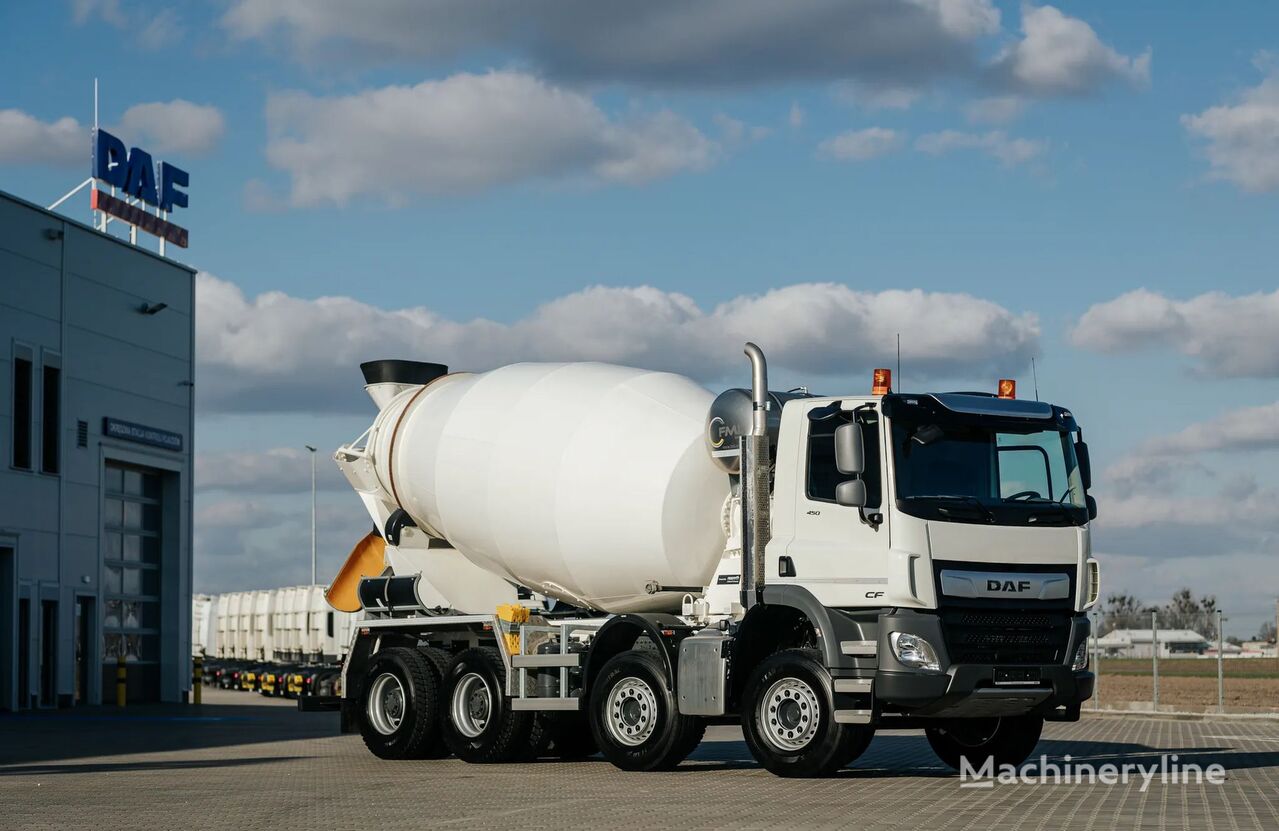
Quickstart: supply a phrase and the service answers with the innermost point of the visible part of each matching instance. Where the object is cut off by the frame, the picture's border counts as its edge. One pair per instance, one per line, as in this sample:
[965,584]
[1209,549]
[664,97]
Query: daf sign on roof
[132,171]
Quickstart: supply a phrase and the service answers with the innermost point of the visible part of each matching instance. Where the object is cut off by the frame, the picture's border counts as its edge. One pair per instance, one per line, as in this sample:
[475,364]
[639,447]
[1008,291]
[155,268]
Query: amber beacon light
[881,382]
[1007,388]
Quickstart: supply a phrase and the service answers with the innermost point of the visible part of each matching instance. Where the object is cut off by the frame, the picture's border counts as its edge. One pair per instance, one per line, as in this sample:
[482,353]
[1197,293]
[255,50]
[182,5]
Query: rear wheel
[788,717]
[1009,741]
[479,724]
[634,718]
[399,708]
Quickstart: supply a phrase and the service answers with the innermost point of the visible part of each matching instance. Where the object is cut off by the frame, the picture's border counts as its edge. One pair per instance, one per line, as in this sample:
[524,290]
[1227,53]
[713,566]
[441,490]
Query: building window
[22,407]
[132,509]
[50,418]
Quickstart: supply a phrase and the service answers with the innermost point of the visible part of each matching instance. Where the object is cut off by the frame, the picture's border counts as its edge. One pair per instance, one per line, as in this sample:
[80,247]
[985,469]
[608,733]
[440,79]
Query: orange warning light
[882,382]
[1007,388]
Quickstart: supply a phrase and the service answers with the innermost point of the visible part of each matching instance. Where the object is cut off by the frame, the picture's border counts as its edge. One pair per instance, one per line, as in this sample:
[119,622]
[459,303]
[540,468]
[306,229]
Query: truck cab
[936,546]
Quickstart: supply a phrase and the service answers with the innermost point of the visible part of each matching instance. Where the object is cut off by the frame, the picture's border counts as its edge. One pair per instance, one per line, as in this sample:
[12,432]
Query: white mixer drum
[583,481]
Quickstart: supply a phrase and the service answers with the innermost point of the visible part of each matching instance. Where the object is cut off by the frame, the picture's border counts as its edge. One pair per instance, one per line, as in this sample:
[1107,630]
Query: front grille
[1005,637]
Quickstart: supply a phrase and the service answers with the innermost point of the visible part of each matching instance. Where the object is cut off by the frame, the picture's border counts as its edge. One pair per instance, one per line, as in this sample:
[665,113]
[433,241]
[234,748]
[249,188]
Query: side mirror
[1092,507]
[850,455]
[1085,464]
[851,494]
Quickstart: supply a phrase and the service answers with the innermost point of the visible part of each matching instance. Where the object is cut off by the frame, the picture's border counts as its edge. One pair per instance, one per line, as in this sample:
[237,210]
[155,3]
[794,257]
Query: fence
[1181,664]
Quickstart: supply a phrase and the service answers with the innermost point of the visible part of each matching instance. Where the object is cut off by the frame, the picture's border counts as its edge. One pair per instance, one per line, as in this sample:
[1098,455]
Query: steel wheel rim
[630,713]
[788,715]
[386,704]
[472,705]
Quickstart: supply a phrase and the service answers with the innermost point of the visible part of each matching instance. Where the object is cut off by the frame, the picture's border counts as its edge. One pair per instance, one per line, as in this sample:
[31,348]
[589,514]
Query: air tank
[587,482]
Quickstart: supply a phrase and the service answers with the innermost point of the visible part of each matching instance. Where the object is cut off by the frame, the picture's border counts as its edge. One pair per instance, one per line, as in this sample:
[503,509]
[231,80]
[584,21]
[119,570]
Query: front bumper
[971,690]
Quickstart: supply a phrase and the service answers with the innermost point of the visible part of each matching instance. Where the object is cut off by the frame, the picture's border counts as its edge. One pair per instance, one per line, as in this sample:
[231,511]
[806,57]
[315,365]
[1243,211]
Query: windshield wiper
[967,500]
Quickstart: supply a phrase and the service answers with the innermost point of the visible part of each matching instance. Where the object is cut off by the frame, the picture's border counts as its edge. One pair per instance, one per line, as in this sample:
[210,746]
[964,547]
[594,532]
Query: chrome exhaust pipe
[755,483]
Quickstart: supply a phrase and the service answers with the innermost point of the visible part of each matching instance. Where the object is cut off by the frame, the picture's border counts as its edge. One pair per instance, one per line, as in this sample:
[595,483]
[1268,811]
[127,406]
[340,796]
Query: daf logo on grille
[955,583]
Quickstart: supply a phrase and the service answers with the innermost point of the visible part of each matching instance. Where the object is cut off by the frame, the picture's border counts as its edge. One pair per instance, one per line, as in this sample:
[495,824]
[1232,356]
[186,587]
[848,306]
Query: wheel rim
[631,712]
[472,705]
[788,715]
[386,704]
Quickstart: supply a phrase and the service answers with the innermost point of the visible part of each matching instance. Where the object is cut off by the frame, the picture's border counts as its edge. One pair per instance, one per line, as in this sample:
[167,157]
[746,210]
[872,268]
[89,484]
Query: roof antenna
[899,361]
[1034,374]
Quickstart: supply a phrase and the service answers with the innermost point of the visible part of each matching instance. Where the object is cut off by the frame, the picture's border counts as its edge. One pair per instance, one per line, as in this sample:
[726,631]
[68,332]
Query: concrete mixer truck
[578,557]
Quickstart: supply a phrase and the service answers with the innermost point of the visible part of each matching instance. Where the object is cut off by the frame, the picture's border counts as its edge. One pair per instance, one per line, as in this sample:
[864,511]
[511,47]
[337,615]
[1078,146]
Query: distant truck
[579,556]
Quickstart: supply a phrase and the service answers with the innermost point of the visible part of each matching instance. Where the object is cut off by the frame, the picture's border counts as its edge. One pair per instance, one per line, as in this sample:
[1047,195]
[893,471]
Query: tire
[1009,741]
[634,718]
[478,723]
[570,736]
[788,717]
[399,708]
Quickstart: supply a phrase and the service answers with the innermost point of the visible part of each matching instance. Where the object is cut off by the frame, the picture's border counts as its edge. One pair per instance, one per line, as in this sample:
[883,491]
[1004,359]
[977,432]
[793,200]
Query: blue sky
[1042,161]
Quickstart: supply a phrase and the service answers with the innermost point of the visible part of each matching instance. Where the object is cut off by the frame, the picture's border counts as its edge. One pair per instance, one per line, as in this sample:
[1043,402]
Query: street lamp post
[312,449]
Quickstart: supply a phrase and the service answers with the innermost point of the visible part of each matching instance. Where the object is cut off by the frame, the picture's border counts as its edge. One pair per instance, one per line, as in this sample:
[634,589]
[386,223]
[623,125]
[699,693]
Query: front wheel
[788,717]
[1008,741]
[634,717]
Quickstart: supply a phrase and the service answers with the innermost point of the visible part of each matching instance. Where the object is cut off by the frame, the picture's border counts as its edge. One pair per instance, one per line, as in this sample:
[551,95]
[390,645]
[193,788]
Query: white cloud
[176,126]
[277,470]
[1062,55]
[108,10]
[795,118]
[276,352]
[1224,335]
[25,139]
[735,131]
[999,109]
[1242,138]
[464,134]
[877,96]
[1248,428]
[860,145]
[997,144]
[656,42]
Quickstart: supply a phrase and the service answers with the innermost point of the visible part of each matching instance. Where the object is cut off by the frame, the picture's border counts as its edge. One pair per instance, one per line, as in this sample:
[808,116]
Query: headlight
[914,651]
[1081,657]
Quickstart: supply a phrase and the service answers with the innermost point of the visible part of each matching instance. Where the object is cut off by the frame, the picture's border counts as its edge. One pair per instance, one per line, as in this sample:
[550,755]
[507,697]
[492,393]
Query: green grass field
[1193,667]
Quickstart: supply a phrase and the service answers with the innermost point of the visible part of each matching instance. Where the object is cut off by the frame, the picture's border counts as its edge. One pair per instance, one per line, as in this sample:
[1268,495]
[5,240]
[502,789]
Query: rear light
[881,382]
[1007,388]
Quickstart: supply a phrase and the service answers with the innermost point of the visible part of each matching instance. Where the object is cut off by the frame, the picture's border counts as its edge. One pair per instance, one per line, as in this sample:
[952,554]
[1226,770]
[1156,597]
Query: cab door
[835,554]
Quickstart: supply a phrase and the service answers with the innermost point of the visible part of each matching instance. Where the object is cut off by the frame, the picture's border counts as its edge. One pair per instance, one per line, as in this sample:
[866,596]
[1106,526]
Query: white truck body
[916,560]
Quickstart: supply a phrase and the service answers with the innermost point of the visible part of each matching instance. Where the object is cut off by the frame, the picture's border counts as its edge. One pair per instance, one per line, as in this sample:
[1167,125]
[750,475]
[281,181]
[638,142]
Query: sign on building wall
[140,433]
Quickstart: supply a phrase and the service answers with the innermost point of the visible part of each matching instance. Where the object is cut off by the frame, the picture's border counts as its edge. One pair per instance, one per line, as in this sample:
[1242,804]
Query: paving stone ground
[241,761]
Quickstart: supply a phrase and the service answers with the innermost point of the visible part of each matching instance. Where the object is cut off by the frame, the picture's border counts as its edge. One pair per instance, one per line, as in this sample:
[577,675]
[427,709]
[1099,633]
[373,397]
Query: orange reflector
[1007,388]
[882,382]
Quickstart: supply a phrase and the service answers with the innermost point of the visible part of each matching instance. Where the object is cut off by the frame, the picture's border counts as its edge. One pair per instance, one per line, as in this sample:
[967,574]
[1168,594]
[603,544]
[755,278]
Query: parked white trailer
[223,639]
[815,567]
[203,624]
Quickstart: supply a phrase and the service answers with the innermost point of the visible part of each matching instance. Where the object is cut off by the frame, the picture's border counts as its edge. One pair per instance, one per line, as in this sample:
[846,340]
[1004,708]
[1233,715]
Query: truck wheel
[788,717]
[634,718]
[399,708]
[1009,741]
[479,724]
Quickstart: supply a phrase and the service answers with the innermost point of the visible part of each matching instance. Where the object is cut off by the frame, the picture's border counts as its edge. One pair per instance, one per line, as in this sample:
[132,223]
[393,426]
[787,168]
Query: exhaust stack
[756,466]
[383,380]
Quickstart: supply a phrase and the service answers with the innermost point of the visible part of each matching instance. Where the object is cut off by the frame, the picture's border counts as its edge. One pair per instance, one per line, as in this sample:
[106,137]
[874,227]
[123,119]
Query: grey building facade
[97,340]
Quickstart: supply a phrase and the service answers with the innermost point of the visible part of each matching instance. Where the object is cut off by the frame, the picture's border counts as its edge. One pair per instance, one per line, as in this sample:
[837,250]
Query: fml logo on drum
[133,172]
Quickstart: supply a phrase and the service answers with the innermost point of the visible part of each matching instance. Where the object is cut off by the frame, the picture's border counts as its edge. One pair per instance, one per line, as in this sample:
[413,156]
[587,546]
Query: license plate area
[1017,676]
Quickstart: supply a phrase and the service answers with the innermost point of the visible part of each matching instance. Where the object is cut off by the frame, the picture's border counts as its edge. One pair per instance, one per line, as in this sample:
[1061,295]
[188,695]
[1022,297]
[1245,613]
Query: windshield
[989,472]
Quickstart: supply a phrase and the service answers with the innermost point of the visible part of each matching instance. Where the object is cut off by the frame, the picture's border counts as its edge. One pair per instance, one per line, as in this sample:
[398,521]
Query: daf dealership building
[96,355]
